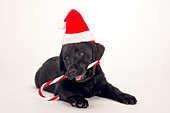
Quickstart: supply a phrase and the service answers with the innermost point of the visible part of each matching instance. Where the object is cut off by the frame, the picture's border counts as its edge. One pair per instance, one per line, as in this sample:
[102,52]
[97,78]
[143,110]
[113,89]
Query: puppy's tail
[37,79]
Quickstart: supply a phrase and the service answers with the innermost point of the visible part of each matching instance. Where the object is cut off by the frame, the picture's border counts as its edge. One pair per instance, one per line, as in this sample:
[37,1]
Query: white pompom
[61,24]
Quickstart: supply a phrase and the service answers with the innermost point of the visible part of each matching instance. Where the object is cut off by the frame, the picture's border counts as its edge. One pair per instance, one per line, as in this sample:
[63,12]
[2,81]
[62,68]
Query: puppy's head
[75,58]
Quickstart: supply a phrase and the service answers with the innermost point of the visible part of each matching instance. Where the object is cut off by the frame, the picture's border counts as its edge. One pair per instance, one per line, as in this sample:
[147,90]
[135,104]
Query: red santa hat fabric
[76,29]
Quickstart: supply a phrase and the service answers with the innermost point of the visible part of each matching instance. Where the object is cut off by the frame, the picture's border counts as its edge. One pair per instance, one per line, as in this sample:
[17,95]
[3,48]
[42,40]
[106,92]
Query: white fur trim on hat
[78,37]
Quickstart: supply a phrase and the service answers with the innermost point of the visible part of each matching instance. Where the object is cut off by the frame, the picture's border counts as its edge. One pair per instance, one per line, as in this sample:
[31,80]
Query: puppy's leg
[111,92]
[68,93]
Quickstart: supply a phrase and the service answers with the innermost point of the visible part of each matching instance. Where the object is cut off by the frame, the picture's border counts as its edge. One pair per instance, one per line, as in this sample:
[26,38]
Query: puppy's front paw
[78,101]
[127,99]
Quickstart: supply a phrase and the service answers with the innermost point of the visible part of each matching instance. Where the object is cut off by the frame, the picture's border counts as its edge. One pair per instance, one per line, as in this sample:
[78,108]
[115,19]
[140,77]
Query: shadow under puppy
[81,82]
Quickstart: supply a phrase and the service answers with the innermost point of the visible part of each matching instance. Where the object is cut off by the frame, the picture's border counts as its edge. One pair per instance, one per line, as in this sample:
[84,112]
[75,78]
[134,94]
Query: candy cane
[40,91]
[93,64]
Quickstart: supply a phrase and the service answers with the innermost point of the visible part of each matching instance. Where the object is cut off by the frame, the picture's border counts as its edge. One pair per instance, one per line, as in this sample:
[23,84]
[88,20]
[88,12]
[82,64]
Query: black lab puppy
[80,82]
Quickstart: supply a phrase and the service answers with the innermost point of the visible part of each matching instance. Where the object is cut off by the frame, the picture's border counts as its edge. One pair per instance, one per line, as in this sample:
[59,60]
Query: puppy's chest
[90,87]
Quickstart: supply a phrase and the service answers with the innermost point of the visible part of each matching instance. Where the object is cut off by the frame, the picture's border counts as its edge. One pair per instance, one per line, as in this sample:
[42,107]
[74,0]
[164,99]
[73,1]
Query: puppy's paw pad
[80,105]
[127,99]
[73,104]
[78,102]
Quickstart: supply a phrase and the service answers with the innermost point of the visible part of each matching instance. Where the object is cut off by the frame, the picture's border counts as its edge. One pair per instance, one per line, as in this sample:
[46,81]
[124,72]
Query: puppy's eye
[80,54]
[66,58]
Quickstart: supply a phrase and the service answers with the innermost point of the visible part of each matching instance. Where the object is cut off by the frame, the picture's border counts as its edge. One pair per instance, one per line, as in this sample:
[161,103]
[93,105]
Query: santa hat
[76,29]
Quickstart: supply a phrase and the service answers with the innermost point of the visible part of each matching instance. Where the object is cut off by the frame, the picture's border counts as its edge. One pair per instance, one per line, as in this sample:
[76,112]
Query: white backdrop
[135,33]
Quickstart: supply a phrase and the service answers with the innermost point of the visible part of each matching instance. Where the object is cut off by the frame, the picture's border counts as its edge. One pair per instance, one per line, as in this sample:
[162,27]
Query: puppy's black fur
[80,82]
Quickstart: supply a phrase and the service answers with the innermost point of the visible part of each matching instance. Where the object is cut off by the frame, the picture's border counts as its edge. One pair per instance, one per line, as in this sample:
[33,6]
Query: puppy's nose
[72,71]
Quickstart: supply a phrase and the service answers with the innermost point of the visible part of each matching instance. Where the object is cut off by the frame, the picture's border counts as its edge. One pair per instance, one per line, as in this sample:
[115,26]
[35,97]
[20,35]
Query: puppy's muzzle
[72,71]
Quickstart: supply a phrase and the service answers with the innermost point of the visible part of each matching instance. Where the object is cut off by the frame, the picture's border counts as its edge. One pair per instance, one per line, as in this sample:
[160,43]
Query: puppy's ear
[61,63]
[98,51]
